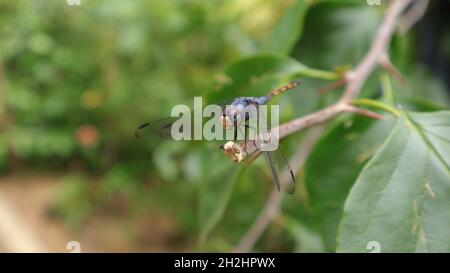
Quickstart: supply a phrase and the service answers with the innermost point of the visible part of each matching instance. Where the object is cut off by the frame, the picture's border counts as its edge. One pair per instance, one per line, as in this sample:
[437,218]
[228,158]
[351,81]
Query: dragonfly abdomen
[283,89]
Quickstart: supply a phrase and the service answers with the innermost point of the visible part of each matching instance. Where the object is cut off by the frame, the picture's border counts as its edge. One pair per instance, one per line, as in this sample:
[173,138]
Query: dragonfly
[233,114]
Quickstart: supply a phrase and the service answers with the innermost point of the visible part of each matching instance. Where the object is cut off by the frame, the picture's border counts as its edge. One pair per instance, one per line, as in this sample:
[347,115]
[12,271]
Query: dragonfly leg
[253,157]
[245,136]
[254,130]
[249,127]
[235,127]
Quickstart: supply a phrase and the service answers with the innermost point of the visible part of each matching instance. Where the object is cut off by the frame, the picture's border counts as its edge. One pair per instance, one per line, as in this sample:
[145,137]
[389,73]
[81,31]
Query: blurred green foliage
[77,80]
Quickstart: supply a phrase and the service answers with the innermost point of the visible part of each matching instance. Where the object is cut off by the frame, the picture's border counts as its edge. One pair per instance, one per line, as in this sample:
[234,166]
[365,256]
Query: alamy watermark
[73,246]
[374,247]
[73,2]
[373,2]
[238,122]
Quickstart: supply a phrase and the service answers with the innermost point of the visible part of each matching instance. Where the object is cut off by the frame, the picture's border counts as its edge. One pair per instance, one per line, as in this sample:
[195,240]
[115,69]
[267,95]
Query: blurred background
[76,81]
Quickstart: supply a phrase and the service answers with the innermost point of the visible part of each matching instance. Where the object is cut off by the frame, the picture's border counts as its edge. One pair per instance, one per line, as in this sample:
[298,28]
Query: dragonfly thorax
[239,111]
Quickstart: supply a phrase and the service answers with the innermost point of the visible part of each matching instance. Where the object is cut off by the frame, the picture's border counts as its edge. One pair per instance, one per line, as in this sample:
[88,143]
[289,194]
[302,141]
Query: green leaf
[333,167]
[422,92]
[425,105]
[258,74]
[402,197]
[306,240]
[338,32]
[289,30]
[215,191]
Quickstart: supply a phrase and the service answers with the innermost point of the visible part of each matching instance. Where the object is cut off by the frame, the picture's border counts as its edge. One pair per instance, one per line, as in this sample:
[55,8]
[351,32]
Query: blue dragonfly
[234,113]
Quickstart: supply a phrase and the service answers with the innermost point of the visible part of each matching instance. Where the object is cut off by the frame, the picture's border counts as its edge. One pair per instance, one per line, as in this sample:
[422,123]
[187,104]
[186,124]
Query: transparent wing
[281,170]
[162,128]
[278,163]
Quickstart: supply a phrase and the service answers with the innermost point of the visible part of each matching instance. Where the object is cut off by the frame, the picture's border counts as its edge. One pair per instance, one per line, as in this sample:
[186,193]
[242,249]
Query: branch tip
[363,112]
[386,64]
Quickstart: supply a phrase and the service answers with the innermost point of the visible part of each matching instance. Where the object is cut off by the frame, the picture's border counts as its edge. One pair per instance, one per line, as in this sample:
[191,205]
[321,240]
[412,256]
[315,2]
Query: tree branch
[379,46]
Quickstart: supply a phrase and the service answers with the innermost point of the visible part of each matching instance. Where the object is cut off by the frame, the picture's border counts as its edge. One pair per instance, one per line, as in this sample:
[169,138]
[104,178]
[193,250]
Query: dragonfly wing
[160,128]
[279,165]
[270,161]
[281,169]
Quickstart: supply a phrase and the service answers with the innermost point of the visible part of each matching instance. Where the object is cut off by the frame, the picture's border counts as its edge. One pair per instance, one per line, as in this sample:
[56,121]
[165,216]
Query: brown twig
[379,46]
[332,86]
[363,112]
[352,90]
[386,64]
[237,152]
